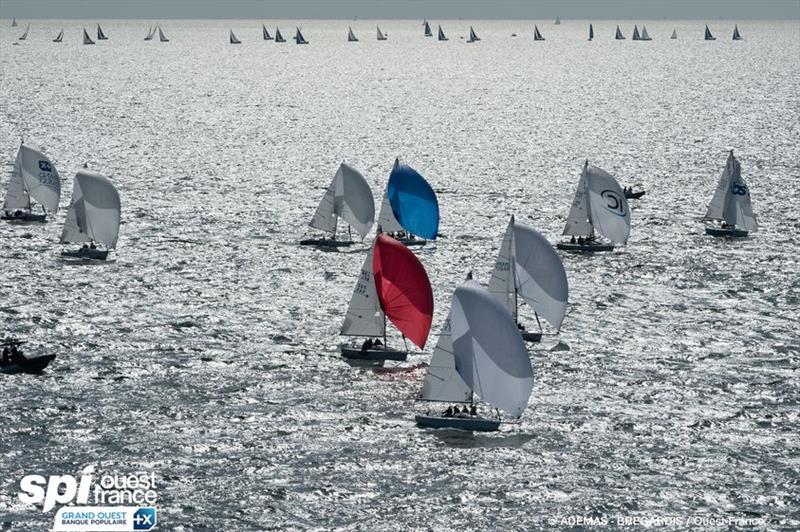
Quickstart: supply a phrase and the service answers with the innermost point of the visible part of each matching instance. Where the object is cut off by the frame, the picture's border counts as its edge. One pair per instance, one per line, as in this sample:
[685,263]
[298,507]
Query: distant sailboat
[86,38]
[93,216]
[14,22]
[708,36]
[591,32]
[161,36]
[537,36]
[34,177]
[392,284]
[381,36]
[558,21]
[60,36]
[472,36]
[25,35]
[599,205]
[736,35]
[674,33]
[528,267]
[441,35]
[100,35]
[480,352]
[150,33]
[351,37]
[233,39]
[265,33]
[298,38]
[636,36]
[730,210]
[410,208]
[348,197]
[645,36]
[428,32]
[619,36]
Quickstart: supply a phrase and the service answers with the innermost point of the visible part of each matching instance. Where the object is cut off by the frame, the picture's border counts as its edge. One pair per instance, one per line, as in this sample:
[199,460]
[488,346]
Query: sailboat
[736,35]
[619,36]
[537,36]
[60,36]
[25,35]
[591,32]
[599,205]
[410,208]
[730,211]
[348,197]
[298,38]
[19,363]
[528,267]
[34,177]
[674,33]
[161,36]
[645,35]
[93,216]
[473,37]
[100,35]
[428,32]
[86,38]
[265,33]
[150,32]
[558,21]
[708,36]
[441,34]
[351,37]
[14,22]
[392,285]
[381,36]
[233,39]
[636,36]
[278,36]
[480,352]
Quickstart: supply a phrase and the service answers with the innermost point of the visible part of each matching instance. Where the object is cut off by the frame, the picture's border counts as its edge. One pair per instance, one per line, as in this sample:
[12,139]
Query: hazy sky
[403,9]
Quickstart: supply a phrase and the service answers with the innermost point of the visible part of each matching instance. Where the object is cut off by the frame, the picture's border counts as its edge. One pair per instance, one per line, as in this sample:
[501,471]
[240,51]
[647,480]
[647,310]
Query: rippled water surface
[206,352]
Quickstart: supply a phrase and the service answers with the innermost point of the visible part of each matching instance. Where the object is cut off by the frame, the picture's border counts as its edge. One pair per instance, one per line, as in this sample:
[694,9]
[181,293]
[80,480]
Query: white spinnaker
[490,355]
[40,177]
[609,210]
[350,197]
[94,212]
[578,222]
[16,196]
[364,315]
[540,276]
[442,381]
[502,283]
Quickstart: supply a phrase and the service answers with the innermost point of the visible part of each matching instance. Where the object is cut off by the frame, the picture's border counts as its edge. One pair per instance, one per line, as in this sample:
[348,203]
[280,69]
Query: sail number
[739,189]
[614,202]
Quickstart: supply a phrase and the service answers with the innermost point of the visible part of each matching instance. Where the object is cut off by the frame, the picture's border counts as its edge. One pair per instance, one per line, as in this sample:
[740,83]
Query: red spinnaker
[403,289]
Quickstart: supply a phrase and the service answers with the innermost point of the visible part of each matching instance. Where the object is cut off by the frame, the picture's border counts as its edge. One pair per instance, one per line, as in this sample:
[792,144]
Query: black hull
[86,254]
[726,232]
[635,195]
[374,355]
[25,217]
[468,423]
[30,365]
[584,248]
[532,337]
[325,243]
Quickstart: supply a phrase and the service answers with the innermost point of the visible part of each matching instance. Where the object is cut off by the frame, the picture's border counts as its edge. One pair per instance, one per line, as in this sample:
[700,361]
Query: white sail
[265,33]
[490,355]
[731,201]
[736,35]
[39,176]
[608,207]
[86,38]
[25,35]
[94,211]
[537,36]
[150,32]
[348,196]
[645,35]
[578,222]
[442,381]
[16,195]
[442,36]
[364,315]
[708,36]
[381,36]
[636,36]
[351,37]
[161,36]
[502,284]
[674,33]
[233,39]
[619,35]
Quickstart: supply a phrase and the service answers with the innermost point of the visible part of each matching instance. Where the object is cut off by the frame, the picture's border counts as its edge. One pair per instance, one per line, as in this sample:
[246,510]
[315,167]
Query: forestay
[94,213]
[490,355]
[349,197]
[364,315]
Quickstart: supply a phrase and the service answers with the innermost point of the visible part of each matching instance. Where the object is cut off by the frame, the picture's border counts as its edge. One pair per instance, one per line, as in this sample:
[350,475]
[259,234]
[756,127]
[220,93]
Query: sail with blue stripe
[413,202]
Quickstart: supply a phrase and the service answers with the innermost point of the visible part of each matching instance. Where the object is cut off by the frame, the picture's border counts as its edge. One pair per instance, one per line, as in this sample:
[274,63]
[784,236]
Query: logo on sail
[614,202]
[738,188]
[44,166]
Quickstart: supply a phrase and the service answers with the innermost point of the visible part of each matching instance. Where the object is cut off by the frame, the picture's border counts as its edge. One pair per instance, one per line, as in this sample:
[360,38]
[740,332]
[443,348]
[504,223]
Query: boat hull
[412,241]
[635,195]
[86,253]
[31,365]
[373,355]
[468,423]
[531,336]
[727,231]
[326,243]
[24,217]
[584,248]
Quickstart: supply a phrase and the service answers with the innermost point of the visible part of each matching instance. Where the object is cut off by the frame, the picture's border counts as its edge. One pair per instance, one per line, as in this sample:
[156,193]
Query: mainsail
[537,36]
[59,37]
[736,35]
[558,21]
[403,289]
[731,201]
[298,37]
[645,35]
[161,36]
[528,266]
[441,35]
[591,32]
[100,35]
[674,33]
[150,32]
[600,205]
[381,36]
[472,36]
[14,22]
[490,356]
[86,38]
[636,36]
[349,197]
[364,315]
[233,39]
[413,202]
[94,212]
[278,36]
[351,37]
[265,33]
[428,32]
[25,35]
[619,36]
[35,176]
[708,35]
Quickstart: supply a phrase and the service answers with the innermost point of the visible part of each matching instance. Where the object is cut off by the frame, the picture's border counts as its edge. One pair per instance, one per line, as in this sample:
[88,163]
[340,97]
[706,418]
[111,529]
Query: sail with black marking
[442,36]
[736,35]
[265,33]
[537,36]
[428,32]
[599,205]
[34,176]
[298,37]
[100,35]
[731,201]
[708,36]
[473,37]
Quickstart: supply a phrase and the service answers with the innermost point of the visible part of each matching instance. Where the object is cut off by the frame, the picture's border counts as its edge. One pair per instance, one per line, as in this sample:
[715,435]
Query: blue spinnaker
[413,202]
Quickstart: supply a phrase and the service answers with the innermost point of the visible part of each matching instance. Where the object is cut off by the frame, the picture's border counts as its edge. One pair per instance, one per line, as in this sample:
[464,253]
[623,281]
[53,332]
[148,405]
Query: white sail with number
[35,176]
[599,205]
[731,201]
[364,315]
